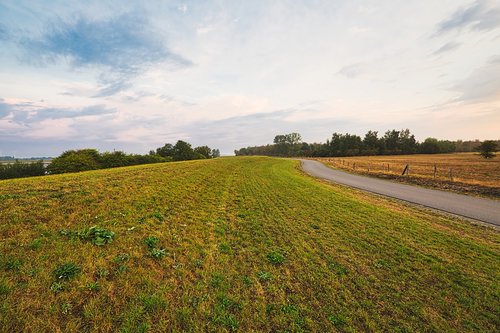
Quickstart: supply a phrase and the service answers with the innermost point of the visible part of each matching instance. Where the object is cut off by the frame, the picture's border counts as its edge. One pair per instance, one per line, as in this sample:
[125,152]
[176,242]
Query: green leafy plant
[66,271]
[98,236]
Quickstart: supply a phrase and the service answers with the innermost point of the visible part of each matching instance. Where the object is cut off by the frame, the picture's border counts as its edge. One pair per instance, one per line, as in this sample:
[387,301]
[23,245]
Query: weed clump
[276,258]
[155,252]
[93,286]
[158,253]
[96,235]
[66,271]
[151,241]
[57,287]
[225,248]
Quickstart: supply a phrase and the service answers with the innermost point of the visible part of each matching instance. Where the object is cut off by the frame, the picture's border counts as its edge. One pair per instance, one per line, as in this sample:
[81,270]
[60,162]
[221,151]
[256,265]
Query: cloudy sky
[124,75]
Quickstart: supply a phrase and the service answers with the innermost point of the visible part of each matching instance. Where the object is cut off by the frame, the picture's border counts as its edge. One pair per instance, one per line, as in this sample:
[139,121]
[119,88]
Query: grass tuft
[276,258]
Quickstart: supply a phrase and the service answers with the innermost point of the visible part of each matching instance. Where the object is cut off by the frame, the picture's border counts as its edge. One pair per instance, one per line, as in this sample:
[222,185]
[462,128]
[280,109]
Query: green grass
[235,244]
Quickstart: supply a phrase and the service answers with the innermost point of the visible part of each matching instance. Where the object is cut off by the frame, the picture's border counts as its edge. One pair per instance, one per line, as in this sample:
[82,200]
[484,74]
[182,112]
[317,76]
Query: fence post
[451,174]
[388,169]
[406,170]
[354,165]
[435,170]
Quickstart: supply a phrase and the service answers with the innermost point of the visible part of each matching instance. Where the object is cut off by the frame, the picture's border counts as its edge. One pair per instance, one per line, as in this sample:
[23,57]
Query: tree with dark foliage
[487,149]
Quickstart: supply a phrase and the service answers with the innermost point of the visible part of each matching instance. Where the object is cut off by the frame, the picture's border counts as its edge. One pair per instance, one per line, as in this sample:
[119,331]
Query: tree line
[92,159]
[392,142]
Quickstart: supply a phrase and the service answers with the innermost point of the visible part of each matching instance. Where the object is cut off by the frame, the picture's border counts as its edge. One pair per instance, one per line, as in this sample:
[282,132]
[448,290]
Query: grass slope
[247,244]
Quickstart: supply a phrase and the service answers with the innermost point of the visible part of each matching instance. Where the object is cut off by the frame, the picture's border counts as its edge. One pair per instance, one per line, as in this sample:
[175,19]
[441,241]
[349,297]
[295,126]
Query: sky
[133,76]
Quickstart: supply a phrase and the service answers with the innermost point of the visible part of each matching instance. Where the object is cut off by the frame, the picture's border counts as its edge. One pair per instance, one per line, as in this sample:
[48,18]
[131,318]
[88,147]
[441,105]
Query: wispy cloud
[121,47]
[482,85]
[450,46]
[351,71]
[26,113]
[480,15]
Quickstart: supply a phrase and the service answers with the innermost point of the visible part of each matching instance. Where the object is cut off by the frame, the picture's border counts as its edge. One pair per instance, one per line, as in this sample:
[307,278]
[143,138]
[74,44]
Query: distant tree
[215,153]
[391,142]
[487,149]
[371,142]
[429,146]
[205,151]
[407,143]
[446,146]
[166,151]
[287,144]
[182,151]
[113,159]
[293,138]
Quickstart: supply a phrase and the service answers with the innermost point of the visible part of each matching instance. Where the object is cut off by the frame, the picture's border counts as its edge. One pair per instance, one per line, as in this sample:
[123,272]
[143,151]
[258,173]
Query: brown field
[460,172]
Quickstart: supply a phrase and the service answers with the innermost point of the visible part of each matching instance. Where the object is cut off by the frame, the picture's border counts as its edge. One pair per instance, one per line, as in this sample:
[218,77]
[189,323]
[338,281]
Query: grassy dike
[235,244]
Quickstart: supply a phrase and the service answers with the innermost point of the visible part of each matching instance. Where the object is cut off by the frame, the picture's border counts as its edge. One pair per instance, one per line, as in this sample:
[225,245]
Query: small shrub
[151,241]
[276,258]
[66,271]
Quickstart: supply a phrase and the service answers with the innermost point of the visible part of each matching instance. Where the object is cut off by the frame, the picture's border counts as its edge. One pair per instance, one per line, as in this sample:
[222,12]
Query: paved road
[484,210]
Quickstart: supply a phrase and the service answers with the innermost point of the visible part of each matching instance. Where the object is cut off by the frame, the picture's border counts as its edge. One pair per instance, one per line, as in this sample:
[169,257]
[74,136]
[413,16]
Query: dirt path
[484,210]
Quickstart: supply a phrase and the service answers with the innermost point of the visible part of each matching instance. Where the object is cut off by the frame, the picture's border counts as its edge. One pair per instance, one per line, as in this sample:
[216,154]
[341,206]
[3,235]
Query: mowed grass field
[461,172]
[246,244]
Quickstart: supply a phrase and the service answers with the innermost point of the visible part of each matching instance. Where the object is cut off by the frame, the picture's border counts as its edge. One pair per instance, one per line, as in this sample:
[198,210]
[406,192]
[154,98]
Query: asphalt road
[483,210]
